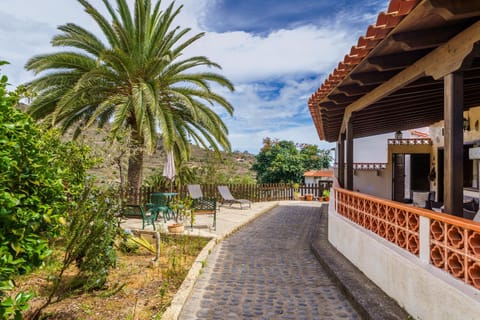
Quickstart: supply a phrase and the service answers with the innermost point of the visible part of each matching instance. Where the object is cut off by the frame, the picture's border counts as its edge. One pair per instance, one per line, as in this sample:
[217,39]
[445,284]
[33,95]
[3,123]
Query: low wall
[421,289]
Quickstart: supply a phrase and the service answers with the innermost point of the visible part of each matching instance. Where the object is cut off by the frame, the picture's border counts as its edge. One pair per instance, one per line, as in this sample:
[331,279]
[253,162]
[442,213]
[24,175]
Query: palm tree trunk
[135,162]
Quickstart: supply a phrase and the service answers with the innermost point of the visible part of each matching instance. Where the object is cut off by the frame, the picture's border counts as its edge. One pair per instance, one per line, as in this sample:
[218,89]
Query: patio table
[160,206]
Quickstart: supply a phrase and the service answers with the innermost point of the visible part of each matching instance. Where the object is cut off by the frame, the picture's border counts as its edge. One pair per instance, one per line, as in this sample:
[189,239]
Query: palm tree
[137,80]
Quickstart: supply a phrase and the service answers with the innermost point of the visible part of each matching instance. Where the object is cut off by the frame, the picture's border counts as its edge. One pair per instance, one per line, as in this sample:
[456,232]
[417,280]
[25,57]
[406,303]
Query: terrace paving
[263,263]
[267,271]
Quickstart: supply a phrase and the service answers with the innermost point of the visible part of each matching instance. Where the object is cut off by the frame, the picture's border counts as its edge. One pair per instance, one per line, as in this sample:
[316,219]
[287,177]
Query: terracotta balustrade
[454,242]
[389,220]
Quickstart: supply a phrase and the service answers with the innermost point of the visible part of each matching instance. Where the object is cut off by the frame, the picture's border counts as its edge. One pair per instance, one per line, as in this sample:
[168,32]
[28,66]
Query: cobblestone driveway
[266,271]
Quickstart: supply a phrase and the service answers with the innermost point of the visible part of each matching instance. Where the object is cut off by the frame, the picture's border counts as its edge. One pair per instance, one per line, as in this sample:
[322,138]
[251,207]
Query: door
[440,168]
[420,171]
[398,176]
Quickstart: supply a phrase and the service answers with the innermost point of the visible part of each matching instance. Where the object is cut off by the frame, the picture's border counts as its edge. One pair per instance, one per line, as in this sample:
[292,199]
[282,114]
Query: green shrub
[89,240]
[32,198]
[91,236]
[39,179]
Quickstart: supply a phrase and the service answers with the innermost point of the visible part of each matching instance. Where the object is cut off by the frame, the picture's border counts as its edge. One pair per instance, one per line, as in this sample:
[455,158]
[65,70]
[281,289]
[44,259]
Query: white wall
[311,180]
[373,183]
[422,290]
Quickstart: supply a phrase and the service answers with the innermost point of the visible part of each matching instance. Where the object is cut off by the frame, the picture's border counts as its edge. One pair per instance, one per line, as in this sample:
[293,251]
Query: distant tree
[315,158]
[285,161]
[278,161]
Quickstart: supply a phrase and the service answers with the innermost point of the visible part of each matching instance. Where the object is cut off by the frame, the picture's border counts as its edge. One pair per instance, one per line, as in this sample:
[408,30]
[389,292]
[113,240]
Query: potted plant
[296,193]
[326,195]
[182,209]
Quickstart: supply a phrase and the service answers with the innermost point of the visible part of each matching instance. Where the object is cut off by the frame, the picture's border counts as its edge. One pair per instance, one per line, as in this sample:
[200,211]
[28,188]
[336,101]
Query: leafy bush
[89,242]
[32,197]
[91,235]
[39,179]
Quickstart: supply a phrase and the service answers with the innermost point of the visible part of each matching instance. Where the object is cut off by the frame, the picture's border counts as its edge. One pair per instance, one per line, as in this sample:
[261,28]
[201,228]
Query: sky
[277,53]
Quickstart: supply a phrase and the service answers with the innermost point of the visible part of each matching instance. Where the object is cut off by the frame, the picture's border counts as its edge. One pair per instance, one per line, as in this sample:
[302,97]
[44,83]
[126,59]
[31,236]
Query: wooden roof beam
[367,78]
[445,59]
[395,114]
[341,98]
[355,89]
[390,126]
[396,61]
[455,9]
[425,39]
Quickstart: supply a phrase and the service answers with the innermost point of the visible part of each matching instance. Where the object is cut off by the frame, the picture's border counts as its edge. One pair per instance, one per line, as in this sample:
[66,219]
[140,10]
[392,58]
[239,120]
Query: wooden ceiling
[389,81]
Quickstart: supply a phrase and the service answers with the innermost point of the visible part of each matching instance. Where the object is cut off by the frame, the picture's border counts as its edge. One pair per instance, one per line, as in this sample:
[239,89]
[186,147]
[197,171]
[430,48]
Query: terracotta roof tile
[386,21]
[319,173]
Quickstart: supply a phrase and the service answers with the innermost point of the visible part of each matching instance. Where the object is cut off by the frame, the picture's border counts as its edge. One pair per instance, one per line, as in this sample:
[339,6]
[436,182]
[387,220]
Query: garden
[62,253]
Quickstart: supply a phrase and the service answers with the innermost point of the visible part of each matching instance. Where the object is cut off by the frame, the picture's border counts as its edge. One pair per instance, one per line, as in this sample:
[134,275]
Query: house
[417,66]
[315,176]
[373,164]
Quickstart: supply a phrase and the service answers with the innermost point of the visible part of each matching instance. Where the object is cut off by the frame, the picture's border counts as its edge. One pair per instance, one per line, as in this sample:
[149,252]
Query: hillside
[232,164]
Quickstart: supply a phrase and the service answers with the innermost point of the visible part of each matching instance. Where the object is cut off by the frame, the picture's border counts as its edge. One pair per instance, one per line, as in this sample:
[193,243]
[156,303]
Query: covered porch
[418,66]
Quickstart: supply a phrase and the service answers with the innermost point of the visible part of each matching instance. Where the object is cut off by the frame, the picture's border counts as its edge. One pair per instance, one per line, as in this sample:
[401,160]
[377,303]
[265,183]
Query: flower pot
[309,197]
[176,228]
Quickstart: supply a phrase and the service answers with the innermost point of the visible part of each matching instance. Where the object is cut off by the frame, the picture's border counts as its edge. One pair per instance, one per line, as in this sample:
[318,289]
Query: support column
[453,163]
[349,184]
[341,160]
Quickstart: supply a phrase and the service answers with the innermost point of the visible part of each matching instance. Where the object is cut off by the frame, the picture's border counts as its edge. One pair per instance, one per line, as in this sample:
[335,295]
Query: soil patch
[136,289]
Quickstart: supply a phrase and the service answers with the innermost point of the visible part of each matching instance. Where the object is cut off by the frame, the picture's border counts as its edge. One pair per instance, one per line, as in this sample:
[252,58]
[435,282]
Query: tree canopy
[284,161]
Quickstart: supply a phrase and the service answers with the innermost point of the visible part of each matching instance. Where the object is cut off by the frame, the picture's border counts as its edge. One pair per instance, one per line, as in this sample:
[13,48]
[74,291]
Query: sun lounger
[201,204]
[228,198]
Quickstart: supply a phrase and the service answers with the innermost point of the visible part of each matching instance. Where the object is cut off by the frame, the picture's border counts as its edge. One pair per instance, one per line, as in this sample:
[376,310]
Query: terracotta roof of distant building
[319,173]
[419,134]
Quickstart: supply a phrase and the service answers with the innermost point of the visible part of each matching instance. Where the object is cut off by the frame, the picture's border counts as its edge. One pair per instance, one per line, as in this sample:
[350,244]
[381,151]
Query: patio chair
[201,204]
[470,208]
[137,211]
[228,198]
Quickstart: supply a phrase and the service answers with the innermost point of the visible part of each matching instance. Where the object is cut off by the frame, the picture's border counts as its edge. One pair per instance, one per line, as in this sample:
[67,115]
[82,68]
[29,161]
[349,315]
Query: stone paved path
[267,271]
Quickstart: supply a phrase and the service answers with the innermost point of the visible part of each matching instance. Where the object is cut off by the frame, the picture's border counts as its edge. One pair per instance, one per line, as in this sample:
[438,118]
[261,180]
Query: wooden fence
[252,192]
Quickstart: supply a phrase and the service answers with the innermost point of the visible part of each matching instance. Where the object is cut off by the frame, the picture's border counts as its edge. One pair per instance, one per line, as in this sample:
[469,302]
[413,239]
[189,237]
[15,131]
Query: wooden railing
[252,192]
[453,243]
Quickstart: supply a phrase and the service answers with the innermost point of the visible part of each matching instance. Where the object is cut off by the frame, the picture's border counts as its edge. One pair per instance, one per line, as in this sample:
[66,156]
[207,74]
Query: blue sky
[277,53]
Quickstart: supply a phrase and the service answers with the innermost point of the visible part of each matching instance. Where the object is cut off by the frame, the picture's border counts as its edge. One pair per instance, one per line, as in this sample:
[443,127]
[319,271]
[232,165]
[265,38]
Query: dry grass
[136,288]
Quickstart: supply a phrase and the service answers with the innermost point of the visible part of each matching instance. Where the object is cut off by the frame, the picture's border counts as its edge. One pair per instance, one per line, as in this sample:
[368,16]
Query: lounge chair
[228,198]
[201,204]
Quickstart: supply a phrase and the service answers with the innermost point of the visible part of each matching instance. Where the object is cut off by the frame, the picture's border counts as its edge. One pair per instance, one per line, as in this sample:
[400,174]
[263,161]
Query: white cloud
[246,57]
[252,62]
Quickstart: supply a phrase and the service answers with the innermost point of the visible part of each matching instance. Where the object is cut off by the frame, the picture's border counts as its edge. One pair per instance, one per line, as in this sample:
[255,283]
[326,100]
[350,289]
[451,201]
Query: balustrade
[413,141]
[453,243]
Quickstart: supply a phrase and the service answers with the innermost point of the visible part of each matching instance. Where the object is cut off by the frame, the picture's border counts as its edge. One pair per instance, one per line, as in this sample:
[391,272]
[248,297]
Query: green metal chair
[137,211]
[159,203]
